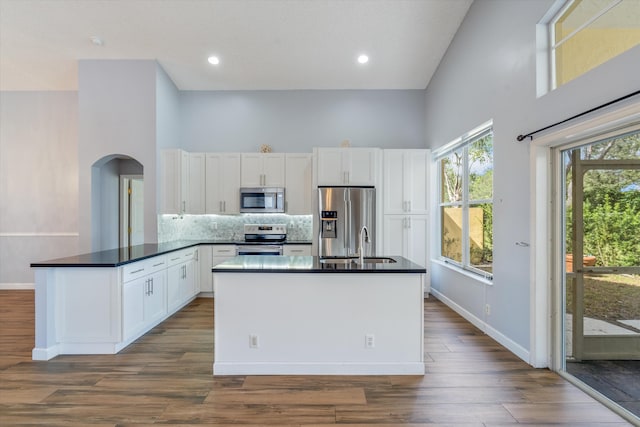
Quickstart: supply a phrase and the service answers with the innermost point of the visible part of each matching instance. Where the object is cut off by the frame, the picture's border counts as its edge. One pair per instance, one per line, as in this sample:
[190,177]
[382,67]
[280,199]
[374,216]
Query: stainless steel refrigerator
[343,211]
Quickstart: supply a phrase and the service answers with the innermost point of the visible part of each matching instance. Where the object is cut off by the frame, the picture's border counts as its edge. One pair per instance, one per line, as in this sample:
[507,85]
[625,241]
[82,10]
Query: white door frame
[547,317]
[124,208]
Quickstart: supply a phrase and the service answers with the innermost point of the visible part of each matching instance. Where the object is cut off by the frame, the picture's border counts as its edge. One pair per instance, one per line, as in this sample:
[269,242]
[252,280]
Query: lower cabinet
[181,282]
[219,254]
[143,303]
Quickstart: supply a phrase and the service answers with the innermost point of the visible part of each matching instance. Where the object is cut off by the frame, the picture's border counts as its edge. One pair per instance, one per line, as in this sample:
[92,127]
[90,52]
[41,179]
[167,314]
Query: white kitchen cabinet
[196,184]
[222,172]
[298,186]
[205,264]
[346,166]
[262,170]
[175,181]
[406,235]
[219,254]
[296,250]
[181,277]
[405,185]
[143,296]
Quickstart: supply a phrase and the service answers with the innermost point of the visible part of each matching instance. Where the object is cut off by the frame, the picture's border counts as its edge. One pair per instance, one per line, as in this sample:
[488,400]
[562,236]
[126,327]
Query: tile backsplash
[228,227]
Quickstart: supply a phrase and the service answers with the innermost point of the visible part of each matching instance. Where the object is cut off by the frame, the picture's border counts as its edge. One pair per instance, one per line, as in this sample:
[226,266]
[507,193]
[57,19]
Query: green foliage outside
[611,207]
[480,188]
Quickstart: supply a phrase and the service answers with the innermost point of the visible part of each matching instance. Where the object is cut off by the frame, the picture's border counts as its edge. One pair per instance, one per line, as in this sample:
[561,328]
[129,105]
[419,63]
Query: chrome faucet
[364,232]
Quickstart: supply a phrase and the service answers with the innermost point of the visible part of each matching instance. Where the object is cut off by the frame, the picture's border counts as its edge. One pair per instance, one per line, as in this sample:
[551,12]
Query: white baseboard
[293,368]
[16,286]
[498,336]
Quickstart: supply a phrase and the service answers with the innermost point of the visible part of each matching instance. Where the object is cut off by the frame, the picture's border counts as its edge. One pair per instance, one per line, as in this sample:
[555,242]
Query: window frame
[461,144]
[555,13]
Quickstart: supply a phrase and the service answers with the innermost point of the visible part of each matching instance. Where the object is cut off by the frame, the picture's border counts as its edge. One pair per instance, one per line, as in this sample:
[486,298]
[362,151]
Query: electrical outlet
[487,309]
[369,341]
[253,341]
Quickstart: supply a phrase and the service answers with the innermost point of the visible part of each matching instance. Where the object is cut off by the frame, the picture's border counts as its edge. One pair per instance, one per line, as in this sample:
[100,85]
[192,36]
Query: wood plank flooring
[165,378]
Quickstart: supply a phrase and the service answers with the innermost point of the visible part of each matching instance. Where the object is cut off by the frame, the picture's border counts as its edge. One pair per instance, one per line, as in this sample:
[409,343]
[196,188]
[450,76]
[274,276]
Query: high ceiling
[262,44]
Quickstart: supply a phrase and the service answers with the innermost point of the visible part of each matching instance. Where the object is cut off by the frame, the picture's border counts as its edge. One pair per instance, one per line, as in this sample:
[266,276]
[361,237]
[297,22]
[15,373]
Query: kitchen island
[304,315]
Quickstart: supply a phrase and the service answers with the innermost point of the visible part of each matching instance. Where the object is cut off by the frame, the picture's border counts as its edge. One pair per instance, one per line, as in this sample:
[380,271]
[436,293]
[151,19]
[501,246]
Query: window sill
[463,271]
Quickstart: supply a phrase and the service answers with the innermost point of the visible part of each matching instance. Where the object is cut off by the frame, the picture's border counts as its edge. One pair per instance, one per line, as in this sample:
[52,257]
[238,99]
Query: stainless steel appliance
[344,211]
[262,200]
[262,239]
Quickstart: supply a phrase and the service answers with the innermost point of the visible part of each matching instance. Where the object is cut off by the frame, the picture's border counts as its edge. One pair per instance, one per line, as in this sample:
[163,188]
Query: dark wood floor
[165,378]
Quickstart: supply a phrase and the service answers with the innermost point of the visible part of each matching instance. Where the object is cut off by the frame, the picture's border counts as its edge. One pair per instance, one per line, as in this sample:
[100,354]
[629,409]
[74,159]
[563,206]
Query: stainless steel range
[262,239]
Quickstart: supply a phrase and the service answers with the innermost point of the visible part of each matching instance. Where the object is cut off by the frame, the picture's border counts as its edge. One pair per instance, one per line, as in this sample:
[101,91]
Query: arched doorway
[116,215]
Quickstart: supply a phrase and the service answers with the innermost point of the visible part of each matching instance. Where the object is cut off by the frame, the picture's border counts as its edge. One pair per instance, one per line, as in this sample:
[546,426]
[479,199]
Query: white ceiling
[262,44]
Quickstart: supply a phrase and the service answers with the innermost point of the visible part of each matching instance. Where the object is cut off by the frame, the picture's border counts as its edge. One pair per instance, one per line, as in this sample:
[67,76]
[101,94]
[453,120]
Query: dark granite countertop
[122,256]
[310,264]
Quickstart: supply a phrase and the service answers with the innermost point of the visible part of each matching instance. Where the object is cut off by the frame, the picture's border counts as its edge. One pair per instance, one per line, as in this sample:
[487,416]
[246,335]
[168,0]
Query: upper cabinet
[346,166]
[175,180]
[406,181]
[262,170]
[222,183]
[298,188]
[183,179]
[196,186]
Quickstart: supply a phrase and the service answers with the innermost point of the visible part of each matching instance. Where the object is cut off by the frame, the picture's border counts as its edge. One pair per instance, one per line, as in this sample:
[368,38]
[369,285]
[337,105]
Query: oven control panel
[265,229]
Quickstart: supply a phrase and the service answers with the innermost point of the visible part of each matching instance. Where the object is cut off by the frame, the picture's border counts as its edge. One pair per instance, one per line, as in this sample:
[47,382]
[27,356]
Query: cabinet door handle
[184,206]
[137,271]
[409,222]
[152,286]
[224,206]
[173,259]
[158,264]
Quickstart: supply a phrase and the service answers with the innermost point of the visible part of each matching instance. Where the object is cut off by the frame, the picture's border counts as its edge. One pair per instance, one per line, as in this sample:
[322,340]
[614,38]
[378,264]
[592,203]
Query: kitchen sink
[375,260]
[367,260]
[337,260]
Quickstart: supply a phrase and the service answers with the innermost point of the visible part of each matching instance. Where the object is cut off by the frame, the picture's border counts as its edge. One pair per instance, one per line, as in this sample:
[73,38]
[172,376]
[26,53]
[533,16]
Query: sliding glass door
[601,193]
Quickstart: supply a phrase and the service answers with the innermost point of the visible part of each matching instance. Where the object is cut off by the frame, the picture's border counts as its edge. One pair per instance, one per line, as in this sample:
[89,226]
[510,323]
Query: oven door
[259,250]
[262,200]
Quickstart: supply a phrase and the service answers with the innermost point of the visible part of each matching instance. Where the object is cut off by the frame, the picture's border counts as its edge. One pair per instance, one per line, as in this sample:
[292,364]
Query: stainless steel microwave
[262,200]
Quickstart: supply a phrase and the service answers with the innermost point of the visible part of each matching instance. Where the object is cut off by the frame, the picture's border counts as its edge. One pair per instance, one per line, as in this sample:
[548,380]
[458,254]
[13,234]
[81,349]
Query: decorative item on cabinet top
[265,148]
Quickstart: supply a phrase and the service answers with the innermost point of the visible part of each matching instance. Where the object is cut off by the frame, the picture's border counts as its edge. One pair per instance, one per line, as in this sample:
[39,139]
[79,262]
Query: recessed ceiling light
[213,60]
[363,59]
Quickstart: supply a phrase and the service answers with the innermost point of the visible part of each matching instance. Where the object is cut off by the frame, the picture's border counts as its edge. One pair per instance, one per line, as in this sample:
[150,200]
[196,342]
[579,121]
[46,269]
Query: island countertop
[311,264]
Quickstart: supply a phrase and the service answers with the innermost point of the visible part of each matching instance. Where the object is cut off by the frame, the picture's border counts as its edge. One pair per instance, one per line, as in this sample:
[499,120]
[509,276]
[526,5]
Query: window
[465,170]
[587,33]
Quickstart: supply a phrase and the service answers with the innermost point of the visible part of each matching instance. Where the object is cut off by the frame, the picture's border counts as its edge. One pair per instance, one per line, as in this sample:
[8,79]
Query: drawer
[183,255]
[223,250]
[297,250]
[142,268]
[157,263]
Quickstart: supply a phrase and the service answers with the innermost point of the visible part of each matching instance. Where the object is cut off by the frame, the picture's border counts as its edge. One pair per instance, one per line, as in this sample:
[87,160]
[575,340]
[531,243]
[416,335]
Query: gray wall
[117,116]
[38,180]
[167,122]
[297,121]
[489,72]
